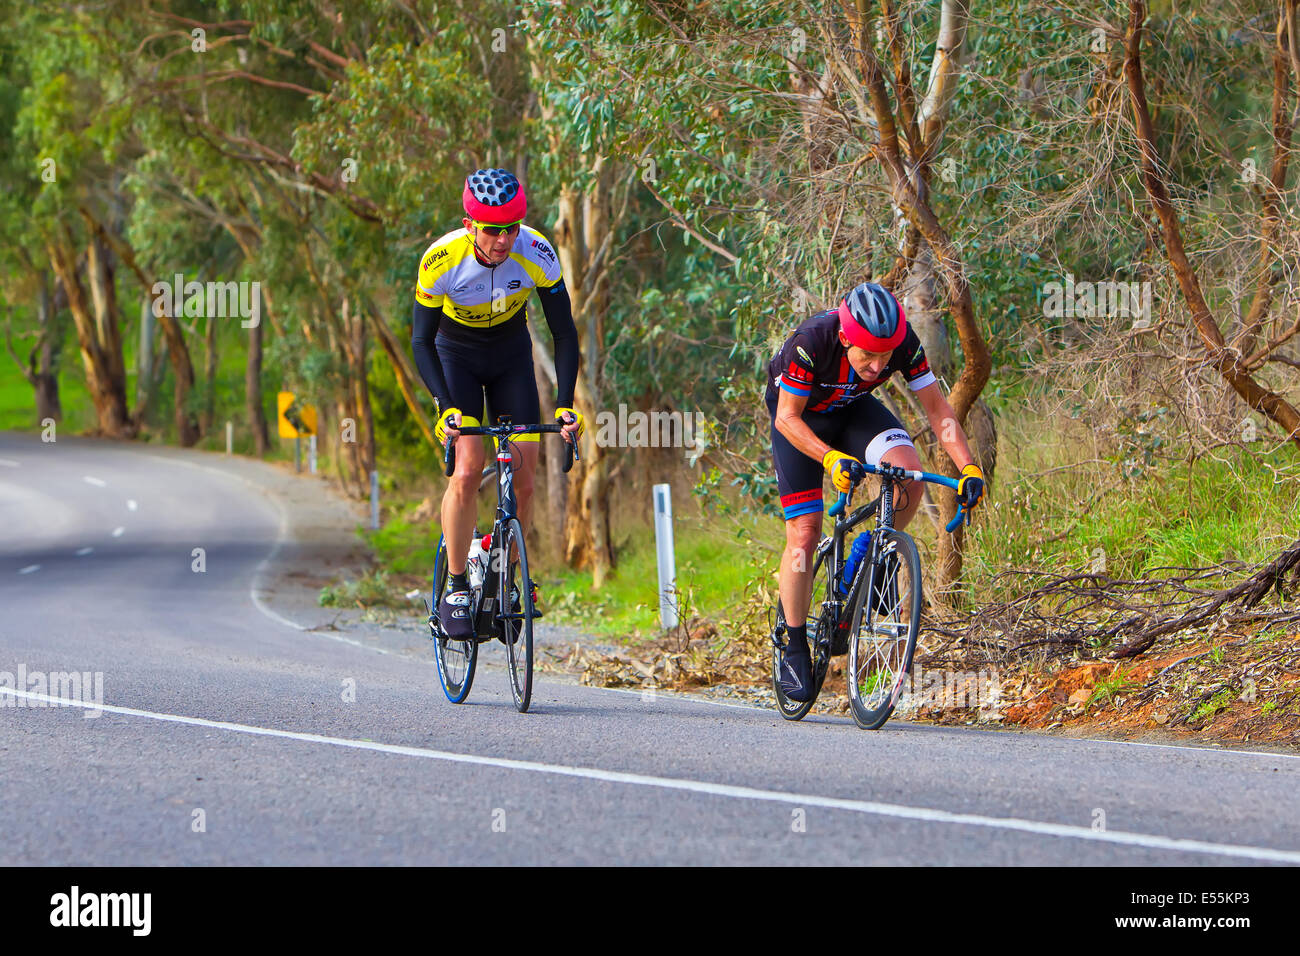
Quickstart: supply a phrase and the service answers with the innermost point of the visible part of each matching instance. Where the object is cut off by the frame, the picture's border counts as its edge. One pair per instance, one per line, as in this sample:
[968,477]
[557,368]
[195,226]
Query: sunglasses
[509,230]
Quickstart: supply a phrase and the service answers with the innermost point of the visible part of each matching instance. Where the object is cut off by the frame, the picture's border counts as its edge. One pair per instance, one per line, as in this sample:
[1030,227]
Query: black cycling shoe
[796,676]
[516,607]
[453,616]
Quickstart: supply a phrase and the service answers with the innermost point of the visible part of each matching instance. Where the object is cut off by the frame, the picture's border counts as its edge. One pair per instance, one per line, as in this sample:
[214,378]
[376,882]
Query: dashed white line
[897,811]
[92,480]
[8,462]
[130,504]
[117,532]
[29,569]
[82,552]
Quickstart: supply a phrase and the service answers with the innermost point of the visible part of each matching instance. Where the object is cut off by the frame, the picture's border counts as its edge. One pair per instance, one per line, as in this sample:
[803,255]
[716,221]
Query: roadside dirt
[1229,689]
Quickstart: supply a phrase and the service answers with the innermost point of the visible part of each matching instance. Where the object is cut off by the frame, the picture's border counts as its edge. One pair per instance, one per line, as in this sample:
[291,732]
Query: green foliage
[372,589]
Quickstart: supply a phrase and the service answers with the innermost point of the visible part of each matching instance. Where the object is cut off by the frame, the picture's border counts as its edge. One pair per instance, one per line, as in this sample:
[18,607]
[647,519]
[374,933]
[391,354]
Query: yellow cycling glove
[840,467]
[440,429]
[577,416]
[970,486]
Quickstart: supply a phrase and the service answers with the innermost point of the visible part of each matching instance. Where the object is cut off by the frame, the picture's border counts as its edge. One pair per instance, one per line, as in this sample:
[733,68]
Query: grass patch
[713,572]
[1220,701]
[1106,689]
[373,589]
[1092,518]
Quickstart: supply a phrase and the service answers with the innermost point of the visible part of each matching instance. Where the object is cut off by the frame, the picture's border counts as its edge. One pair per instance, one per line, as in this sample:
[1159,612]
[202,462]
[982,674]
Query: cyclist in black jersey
[825,418]
[470,340]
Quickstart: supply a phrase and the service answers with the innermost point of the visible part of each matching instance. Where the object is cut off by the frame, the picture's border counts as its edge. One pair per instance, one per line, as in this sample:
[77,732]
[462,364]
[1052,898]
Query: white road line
[8,462]
[29,569]
[97,482]
[82,552]
[130,504]
[897,811]
[1225,751]
[117,532]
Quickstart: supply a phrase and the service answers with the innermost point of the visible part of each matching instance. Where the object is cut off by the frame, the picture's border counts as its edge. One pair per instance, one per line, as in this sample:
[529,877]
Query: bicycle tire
[457,660]
[518,631]
[818,645]
[874,682]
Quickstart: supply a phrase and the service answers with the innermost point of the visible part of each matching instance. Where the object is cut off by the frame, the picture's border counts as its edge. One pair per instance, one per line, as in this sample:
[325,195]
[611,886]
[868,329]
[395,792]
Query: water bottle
[861,545]
[477,562]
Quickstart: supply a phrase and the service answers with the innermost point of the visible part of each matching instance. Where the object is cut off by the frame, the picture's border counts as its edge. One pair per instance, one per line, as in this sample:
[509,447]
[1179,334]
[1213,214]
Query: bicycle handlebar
[893,471]
[507,431]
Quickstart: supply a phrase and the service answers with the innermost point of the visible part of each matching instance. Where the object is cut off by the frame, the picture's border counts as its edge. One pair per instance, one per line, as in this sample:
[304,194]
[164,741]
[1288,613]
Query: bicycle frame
[486,614]
[883,507]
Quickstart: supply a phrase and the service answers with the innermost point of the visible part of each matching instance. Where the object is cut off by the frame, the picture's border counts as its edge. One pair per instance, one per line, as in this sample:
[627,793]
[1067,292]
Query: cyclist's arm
[559,318]
[944,422]
[424,327]
[789,422]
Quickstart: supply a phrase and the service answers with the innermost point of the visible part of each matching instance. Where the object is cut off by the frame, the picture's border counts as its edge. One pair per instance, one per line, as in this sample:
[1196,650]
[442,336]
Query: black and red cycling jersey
[813,363]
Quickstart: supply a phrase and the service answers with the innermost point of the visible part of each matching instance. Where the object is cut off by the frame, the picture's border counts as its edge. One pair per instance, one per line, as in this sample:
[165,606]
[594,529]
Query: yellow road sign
[295,421]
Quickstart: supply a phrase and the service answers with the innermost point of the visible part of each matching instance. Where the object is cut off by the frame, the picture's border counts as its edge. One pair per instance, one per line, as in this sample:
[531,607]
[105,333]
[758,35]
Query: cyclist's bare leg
[795,582]
[460,502]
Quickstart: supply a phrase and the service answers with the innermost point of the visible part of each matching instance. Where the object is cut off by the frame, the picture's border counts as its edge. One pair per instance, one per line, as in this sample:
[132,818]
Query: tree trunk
[210,377]
[253,392]
[97,338]
[582,239]
[1228,364]
[45,368]
[557,482]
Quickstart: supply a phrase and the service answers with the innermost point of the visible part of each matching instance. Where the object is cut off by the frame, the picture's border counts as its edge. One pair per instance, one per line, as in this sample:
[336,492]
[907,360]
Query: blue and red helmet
[872,319]
[494,196]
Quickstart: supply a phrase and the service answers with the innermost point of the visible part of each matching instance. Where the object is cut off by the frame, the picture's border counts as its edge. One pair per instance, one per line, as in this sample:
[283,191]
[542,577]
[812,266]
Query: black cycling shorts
[503,371]
[866,430]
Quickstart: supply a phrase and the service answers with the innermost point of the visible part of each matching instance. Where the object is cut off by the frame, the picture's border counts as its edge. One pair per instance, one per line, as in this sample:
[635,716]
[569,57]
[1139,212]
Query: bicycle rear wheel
[818,644]
[886,618]
[456,659]
[517,624]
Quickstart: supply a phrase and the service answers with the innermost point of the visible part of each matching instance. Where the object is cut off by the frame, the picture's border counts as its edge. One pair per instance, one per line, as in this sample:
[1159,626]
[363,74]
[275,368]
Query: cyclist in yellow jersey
[470,339]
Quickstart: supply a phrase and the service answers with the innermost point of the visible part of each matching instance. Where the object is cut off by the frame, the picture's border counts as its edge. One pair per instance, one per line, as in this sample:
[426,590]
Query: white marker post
[374,501]
[230,437]
[663,504]
[311,454]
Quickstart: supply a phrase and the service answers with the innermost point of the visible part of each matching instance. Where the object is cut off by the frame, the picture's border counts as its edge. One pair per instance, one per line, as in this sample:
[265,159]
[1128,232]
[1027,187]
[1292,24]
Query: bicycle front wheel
[886,618]
[517,617]
[456,659]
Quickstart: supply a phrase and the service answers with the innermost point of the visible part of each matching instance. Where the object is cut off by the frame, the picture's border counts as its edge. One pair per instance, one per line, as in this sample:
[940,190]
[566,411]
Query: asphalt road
[228,734]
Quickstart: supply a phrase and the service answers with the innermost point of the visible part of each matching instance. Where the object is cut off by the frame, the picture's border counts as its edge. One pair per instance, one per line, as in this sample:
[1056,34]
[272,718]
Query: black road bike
[879,617]
[501,602]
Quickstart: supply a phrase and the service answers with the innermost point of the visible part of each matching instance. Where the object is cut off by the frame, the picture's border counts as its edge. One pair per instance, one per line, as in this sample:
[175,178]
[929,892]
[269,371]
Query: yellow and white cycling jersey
[480,296]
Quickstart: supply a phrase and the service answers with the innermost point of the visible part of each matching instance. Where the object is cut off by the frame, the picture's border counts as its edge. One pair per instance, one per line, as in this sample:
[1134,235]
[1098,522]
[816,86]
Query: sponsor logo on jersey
[803,355]
[440,254]
[513,284]
[544,250]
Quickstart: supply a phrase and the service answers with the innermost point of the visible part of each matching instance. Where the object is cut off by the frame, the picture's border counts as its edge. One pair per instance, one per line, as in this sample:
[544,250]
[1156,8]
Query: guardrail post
[374,501]
[663,504]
